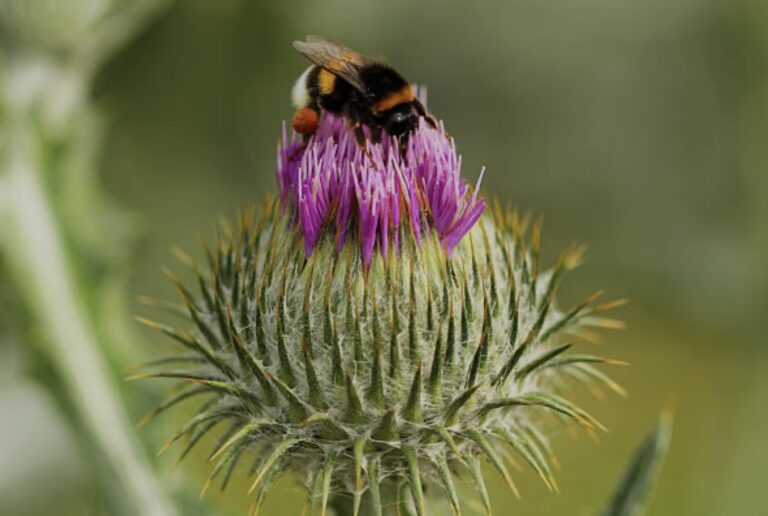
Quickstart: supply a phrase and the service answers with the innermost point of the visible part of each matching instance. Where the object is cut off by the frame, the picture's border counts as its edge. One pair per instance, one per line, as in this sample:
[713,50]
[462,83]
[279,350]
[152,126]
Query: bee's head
[400,120]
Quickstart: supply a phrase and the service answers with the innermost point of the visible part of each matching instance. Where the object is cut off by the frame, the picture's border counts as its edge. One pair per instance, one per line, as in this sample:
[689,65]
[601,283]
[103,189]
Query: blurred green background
[637,127]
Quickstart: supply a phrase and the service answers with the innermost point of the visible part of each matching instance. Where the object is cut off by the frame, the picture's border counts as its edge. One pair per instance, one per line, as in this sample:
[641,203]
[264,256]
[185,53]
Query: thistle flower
[373,332]
[335,183]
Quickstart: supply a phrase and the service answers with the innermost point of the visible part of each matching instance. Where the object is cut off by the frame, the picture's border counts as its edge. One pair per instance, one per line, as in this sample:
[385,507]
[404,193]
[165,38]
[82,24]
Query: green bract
[372,383]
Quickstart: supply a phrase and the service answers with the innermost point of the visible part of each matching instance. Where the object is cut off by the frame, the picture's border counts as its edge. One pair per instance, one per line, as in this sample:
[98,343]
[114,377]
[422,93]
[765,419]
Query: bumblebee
[364,91]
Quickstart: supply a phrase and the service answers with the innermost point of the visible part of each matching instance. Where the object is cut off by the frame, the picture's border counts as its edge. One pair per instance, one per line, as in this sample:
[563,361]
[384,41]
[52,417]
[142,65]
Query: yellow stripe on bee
[393,99]
[325,81]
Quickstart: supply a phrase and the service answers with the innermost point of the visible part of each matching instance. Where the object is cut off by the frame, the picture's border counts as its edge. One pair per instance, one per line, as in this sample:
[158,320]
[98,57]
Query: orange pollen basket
[305,121]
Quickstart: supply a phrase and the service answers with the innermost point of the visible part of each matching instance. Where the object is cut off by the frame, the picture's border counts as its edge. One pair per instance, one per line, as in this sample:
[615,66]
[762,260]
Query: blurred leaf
[634,490]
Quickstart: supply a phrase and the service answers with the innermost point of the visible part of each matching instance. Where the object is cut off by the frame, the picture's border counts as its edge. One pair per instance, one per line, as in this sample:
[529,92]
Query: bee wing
[334,57]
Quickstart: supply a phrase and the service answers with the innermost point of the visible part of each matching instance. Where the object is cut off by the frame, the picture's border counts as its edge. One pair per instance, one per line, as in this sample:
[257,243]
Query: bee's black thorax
[381,80]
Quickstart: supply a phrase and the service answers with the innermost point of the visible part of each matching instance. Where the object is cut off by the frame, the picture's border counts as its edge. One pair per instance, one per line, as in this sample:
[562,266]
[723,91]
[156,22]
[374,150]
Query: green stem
[44,97]
[34,245]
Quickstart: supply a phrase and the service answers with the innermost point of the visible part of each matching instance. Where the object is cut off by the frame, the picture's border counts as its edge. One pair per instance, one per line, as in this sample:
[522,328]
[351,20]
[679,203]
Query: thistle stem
[32,241]
[46,107]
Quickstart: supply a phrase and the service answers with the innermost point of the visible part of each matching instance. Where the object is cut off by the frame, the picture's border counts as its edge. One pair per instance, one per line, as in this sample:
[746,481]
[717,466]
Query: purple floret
[331,187]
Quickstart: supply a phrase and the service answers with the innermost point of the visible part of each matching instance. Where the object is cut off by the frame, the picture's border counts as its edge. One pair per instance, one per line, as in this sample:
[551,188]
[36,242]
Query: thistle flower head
[332,185]
[373,334]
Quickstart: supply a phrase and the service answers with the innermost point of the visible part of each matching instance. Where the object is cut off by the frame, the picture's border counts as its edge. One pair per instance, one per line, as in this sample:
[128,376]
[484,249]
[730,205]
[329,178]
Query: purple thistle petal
[330,183]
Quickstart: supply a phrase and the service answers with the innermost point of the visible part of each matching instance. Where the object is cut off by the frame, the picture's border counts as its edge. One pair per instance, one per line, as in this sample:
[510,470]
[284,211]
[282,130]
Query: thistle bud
[376,329]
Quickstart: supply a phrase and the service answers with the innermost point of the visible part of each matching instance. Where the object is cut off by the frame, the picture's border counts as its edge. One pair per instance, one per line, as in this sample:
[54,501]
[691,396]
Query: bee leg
[301,147]
[298,150]
[376,134]
[421,110]
[402,144]
[360,139]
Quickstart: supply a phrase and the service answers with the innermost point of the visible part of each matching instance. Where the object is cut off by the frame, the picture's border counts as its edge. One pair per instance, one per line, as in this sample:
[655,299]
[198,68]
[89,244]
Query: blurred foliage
[63,249]
[637,127]
[634,491]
